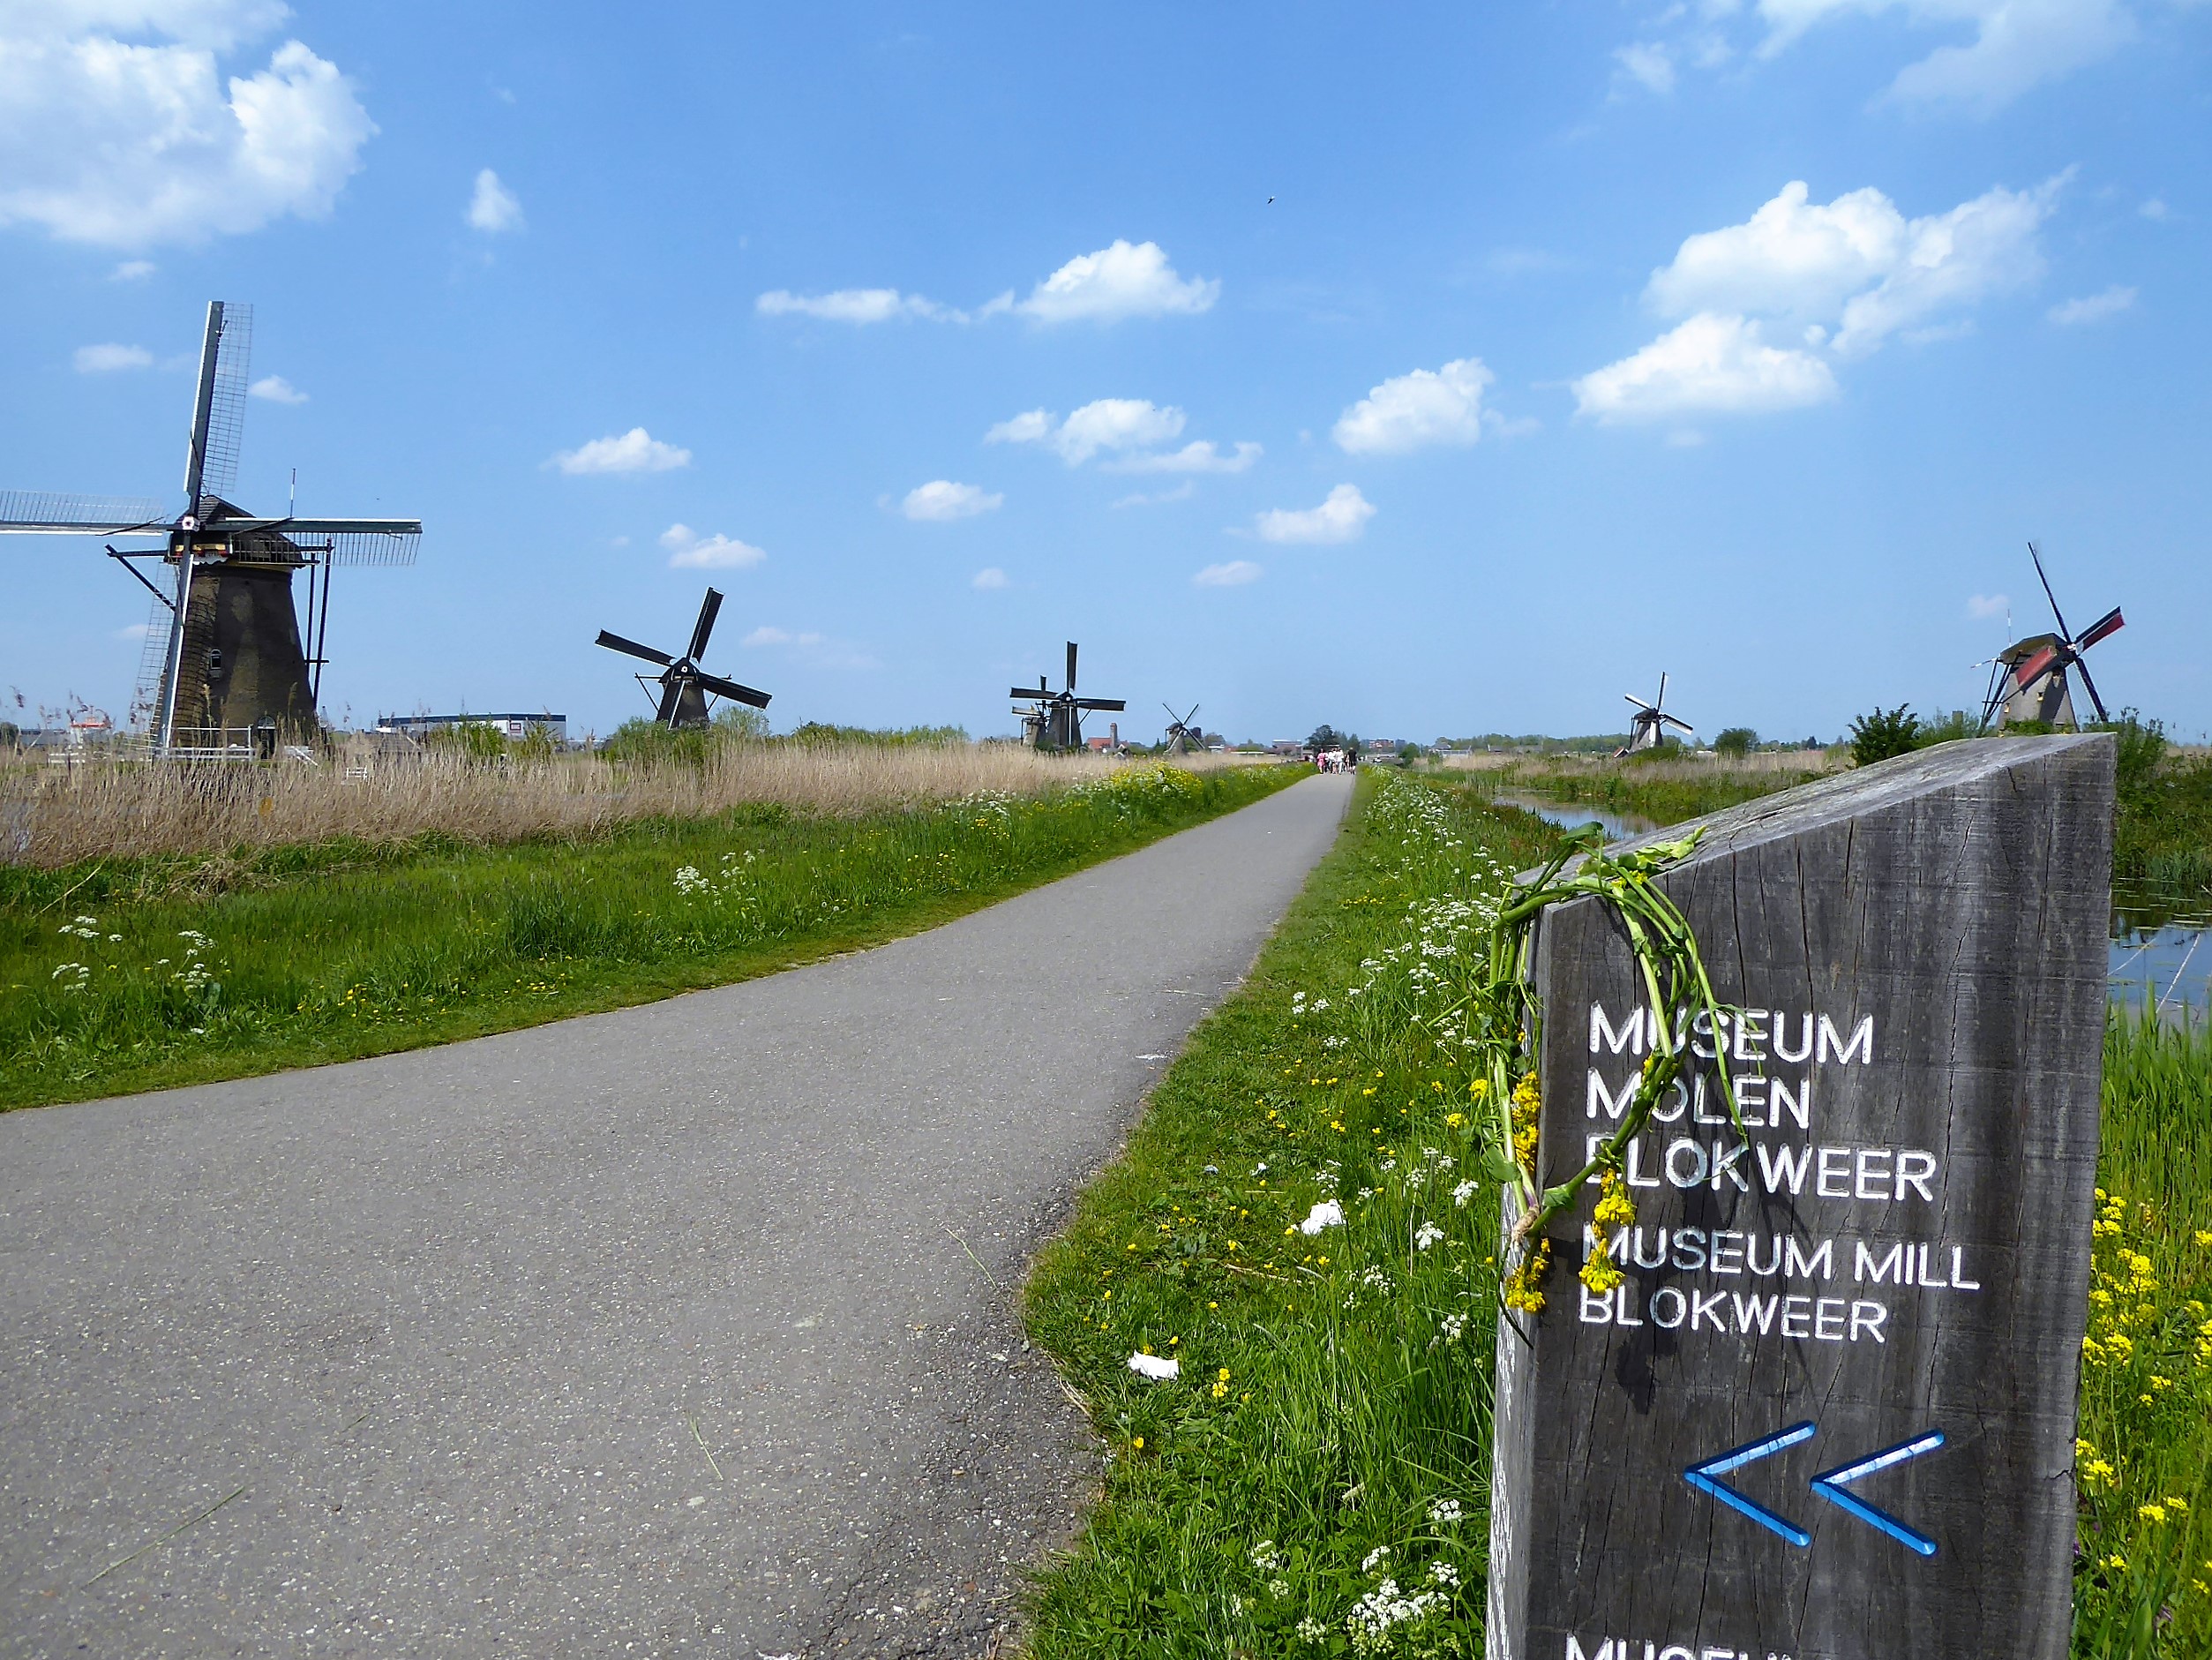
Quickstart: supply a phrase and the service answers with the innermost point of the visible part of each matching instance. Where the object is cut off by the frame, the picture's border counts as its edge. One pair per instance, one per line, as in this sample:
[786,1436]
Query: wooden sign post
[1829,1413]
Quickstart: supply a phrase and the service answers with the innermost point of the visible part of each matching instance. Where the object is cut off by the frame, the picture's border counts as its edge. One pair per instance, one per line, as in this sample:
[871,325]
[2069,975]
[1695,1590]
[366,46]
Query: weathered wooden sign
[1829,1413]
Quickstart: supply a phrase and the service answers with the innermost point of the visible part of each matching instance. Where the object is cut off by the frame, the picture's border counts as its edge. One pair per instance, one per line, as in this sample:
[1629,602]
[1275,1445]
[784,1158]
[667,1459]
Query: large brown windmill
[1056,718]
[228,669]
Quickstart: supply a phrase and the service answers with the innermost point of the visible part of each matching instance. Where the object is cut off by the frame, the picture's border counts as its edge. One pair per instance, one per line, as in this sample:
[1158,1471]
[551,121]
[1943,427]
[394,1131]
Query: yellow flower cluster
[1528,1107]
[1616,1210]
[1524,1288]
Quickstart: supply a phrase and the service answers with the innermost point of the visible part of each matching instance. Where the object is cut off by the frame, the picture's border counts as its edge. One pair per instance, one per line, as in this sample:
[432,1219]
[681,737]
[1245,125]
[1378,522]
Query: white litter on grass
[1328,1213]
[1152,1366]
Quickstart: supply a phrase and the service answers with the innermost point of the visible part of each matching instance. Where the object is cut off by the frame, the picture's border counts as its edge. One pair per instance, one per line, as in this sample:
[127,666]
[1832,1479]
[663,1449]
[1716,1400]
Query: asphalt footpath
[684,1330]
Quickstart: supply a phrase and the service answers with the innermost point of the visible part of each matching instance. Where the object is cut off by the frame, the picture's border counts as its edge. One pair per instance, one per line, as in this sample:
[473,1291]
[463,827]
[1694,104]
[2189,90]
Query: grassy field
[121,973]
[487,790]
[1314,1480]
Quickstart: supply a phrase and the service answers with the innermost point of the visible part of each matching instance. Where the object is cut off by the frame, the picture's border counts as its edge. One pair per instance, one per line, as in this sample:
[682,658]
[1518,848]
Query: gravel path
[683,1330]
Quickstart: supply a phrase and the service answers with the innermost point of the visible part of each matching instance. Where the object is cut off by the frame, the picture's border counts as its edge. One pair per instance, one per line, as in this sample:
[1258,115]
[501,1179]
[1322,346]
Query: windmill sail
[58,513]
[219,406]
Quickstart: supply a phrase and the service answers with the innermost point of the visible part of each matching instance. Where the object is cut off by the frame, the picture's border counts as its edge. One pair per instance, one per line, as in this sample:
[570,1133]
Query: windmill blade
[709,608]
[340,541]
[1672,721]
[2028,668]
[731,690]
[2034,554]
[1639,702]
[616,642]
[2089,686]
[35,511]
[1113,704]
[219,409]
[2109,624]
[1071,665]
[1662,690]
[672,684]
[328,526]
[1173,715]
[1030,692]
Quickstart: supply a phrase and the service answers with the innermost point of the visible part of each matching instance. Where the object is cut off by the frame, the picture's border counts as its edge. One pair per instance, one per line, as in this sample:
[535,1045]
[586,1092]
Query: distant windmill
[1183,737]
[1647,727]
[2027,680]
[228,658]
[1056,718]
[684,685]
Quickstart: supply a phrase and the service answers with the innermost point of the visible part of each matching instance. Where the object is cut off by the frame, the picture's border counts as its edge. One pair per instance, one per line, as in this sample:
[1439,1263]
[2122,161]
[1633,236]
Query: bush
[1736,742]
[1884,733]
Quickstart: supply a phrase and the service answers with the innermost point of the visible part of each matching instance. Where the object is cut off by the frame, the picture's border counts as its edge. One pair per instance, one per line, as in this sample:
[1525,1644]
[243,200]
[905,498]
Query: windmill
[684,686]
[2027,679]
[1055,719]
[227,661]
[1183,737]
[1648,725]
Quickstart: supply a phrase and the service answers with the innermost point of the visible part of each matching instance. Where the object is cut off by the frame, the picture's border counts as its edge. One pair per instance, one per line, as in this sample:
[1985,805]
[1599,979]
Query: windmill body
[2029,680]
[1183,737]
[682,690]
[229,668]
[1053,720]
[1647,727]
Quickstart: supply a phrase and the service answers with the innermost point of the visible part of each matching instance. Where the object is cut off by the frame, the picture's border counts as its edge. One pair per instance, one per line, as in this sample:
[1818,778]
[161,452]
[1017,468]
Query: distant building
[1286,747]
[421,726]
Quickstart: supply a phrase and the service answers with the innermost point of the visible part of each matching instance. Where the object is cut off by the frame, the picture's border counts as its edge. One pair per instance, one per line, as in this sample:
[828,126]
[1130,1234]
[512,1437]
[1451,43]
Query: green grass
[1630,787]
[1234,1509]
[1348,1408]
[131,975]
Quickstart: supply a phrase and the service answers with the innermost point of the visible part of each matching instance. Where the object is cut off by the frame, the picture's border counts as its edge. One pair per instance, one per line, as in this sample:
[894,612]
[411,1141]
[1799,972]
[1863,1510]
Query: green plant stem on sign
[1505,1019]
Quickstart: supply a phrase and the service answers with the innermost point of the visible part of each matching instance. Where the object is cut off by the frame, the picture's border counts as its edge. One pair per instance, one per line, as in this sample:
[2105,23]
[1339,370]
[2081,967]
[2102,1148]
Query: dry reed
[51,817]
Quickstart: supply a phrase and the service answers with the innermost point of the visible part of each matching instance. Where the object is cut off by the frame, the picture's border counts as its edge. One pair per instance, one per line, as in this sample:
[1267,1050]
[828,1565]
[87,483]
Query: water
[2161,939]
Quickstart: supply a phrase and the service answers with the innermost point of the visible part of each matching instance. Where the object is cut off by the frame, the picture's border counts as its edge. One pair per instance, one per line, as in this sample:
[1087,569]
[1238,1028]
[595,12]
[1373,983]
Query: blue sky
[1426,370]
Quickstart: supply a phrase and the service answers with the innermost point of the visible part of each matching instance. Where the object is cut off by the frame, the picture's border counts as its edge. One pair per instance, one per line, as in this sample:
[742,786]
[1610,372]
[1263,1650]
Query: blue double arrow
[1830,1485]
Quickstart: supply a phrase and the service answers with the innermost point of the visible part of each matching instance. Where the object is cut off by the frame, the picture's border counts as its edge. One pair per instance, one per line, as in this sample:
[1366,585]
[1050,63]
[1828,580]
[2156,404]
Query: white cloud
[118,129]
[1981,607]
[1180,492]
[855,305]
[493,208]
[1129,431]
[2093,308]
[990,576]
[635,451]
[2017,44]
[108,358]
[1710,365]
[1788,259]
[277,389]
[688,551]
[941,500]
[1340,517]
[2155,209]
[1201,455]
[132,271]
[1841,278]
[768,635]
[1410,411]
[1234,573]
[1649,65]
[1124,279]
[1031,426]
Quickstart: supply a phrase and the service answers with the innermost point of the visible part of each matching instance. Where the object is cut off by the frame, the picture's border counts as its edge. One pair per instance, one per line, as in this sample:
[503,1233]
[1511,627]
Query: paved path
[465,1325]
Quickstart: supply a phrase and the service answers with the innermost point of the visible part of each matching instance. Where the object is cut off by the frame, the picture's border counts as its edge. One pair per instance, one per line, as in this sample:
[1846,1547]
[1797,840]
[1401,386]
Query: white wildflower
[1311,1630]
[1443,1512]
[1327,1213]
[1443,1576]
[1375,1558]
[1462,1193]
[1266,1557]
[1427,1234]
[1153,1366]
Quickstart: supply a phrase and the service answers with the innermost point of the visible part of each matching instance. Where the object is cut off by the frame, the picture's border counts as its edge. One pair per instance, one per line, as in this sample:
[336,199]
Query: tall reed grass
[52,816]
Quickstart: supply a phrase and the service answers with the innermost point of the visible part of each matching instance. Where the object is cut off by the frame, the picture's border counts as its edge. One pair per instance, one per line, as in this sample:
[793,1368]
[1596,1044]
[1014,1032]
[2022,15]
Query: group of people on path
[1334,760]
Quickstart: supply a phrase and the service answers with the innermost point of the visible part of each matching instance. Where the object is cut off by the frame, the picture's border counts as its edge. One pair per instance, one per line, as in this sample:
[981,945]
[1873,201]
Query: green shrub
[1885,733]
[1736,742]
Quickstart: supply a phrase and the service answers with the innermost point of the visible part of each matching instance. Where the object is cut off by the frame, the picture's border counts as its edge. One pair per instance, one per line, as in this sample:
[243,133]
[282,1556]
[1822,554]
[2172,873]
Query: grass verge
[1315,1478]
[119,976]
